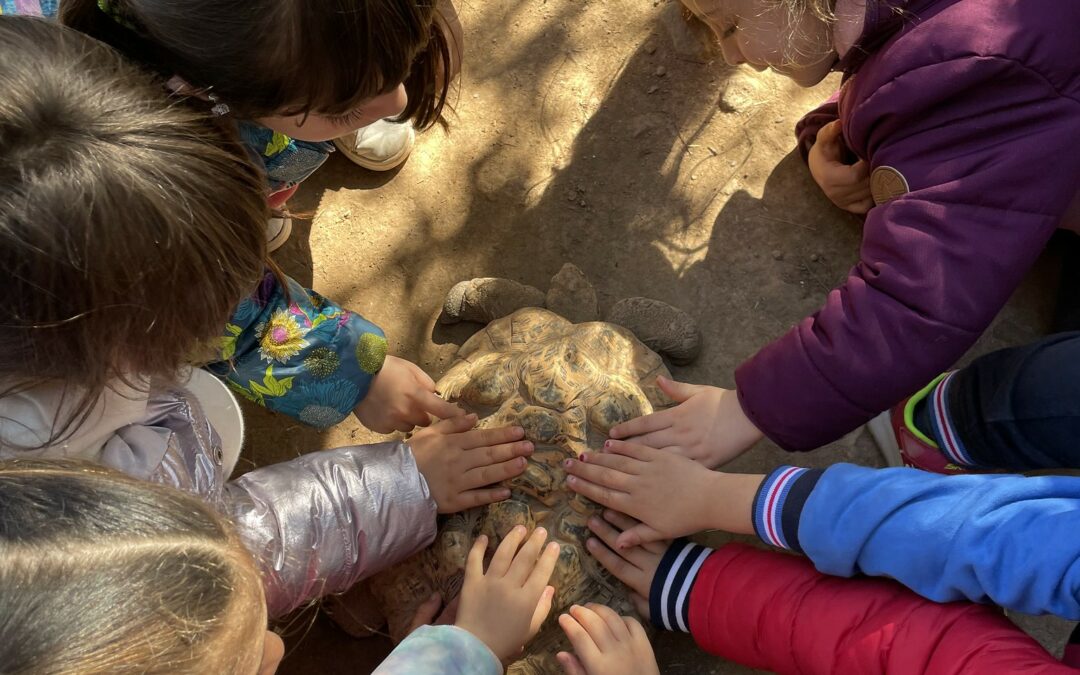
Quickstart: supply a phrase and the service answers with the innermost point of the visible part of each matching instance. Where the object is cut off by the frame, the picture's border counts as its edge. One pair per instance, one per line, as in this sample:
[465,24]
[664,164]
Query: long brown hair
[130,226]
[272,57]
[100,573]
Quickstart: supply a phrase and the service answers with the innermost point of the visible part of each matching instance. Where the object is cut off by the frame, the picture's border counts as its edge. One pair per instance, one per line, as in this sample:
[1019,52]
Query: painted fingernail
[568,463]
[571,480]
[607,444]
[584,456]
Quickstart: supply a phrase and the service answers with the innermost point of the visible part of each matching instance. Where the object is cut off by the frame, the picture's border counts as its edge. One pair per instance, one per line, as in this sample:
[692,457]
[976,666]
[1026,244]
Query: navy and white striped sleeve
[669,596]
[779,504]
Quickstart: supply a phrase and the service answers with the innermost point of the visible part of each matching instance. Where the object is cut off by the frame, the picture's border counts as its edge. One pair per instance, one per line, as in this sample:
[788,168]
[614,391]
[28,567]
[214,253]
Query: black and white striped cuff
[669,597]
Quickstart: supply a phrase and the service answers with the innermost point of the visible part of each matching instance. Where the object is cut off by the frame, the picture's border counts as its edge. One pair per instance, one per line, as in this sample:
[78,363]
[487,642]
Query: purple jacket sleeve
[807,129]
[992,166]
[323,521]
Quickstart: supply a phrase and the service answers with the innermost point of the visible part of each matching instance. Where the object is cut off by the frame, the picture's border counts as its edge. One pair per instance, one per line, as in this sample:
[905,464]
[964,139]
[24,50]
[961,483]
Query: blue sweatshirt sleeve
[291,350]
[1007,539]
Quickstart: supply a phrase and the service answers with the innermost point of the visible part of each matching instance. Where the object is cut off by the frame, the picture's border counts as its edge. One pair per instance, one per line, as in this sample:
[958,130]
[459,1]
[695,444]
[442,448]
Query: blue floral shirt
[293,351]
[287,162]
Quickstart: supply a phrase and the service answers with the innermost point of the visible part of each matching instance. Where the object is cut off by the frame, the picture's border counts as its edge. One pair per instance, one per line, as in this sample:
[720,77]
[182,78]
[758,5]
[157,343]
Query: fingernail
[518,430]
[571,480]
[568,463]
[607,444]
[590,543]
[519,528]
[472,417]
[503,494]
[541,531]
[521,462]
[584,456]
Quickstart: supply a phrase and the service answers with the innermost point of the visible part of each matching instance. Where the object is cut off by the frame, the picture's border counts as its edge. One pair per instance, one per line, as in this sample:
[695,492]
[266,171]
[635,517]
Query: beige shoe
[278,229]
[381,146]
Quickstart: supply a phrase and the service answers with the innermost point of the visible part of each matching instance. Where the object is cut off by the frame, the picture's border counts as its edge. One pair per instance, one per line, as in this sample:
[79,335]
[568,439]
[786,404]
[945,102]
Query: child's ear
[690,36]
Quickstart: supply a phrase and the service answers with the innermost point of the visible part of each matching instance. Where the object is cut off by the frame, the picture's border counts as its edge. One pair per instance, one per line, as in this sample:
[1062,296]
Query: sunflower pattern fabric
[297,353]
[287,162]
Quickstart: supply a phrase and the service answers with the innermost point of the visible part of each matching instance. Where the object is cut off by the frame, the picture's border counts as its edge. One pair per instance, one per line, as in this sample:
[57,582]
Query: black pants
[1016,409]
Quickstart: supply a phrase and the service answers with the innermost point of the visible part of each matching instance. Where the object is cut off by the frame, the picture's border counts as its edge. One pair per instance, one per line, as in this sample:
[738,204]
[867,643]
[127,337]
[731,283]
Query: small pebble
[814,257]
[653,89]
[778,254]
[693,176]
[661,71]
[650,49]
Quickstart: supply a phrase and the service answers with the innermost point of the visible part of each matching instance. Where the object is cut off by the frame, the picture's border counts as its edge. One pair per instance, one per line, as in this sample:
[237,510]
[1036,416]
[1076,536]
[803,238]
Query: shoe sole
[281,237]
[385,165]
[881,431]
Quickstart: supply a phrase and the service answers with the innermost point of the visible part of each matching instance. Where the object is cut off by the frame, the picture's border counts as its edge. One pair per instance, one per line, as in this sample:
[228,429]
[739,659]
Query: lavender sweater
[977,104]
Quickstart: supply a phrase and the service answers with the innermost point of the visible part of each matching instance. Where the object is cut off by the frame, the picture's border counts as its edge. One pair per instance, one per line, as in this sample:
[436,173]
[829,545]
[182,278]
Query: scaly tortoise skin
[566,385]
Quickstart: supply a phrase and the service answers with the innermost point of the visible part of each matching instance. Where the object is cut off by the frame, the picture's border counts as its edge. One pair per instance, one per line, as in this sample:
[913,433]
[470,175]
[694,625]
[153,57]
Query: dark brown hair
[100,573]
[274,57]
[130,226]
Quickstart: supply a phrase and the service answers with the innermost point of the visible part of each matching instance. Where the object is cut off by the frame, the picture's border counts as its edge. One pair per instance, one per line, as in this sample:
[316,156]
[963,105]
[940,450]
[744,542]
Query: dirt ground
[580,135]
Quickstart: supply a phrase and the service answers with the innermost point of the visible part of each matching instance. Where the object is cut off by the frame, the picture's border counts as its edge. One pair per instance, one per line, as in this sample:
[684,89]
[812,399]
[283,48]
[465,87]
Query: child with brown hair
[131,226]
[292,75]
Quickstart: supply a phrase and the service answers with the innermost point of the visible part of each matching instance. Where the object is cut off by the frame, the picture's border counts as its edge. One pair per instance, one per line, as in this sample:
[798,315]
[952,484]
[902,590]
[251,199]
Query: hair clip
[220,109]
[114,13]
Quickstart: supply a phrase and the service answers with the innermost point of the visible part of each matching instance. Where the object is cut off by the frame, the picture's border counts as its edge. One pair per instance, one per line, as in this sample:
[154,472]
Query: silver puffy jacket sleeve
[323,521]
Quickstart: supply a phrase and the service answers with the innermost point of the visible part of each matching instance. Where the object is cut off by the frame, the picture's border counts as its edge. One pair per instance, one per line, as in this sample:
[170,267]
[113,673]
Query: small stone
[653,89]
[814,257]
[650,48]
[582,203]
[693,176]
[777,254]
[572,296]
[660,71]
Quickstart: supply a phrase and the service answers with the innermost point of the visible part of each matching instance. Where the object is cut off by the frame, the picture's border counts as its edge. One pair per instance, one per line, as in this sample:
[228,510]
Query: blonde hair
[100,573]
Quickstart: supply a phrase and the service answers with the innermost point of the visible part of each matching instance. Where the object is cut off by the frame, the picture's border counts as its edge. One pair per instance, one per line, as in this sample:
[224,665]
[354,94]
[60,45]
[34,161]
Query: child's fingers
[544,568]
[620,463]
[449,613]
[635,629]
[570,664]
[828,141]
[474,564]
[431,404]
[480,438]
[642,452]
[525,559]
[614,622]
[504,555]
[543,608]
[638,535]
[642,425]
[452,425]
[620,501]
[623,522]
[678,391]
[641,604]
[580,639]
[599,475]
[473,498]
[595,625]
[619,567]
[477,458]
[637,557]
[496,473]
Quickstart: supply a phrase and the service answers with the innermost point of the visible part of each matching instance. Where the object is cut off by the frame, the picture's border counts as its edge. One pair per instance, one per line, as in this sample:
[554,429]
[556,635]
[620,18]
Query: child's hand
[708,425]
[634,566]
[459,463]
[505,607]
[605,643]
[670,494]
[846,185]
[401,397]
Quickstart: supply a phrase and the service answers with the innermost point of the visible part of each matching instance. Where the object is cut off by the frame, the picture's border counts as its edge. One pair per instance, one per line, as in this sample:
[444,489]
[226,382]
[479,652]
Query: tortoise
[566,384]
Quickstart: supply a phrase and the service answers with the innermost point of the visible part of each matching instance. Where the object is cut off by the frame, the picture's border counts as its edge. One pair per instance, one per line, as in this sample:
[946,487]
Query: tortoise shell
[566,385]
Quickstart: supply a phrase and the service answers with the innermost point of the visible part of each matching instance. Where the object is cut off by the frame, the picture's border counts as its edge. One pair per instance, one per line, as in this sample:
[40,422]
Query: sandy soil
[580,135]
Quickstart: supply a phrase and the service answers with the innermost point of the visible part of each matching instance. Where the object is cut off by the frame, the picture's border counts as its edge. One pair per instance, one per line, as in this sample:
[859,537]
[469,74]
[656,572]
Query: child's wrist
[732,505]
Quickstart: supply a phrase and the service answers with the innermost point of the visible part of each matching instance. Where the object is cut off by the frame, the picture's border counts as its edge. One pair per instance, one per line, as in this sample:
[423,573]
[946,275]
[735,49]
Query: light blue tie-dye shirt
[29,7]
[440,650]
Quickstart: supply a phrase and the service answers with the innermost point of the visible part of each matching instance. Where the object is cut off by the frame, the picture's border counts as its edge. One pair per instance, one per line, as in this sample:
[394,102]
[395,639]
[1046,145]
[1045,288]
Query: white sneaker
[278,229]
[380,146]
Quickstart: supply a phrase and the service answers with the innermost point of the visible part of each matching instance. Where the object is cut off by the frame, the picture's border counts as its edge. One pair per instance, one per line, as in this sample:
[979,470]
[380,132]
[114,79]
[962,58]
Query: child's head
[311,70]
[130,226]
[793,37]
[100,573]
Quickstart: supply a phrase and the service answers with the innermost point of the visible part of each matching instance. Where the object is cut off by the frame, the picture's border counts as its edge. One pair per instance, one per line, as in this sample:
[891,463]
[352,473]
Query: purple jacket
[977,104]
